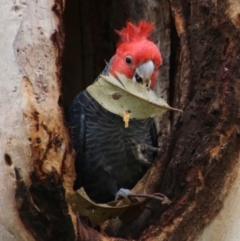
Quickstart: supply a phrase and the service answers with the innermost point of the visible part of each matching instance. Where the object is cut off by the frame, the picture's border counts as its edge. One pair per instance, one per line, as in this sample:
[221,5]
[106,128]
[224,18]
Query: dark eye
[128,60]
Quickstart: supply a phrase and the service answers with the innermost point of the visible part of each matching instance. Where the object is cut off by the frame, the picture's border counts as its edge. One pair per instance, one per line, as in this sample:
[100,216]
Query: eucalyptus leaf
[98,213]
[123,95]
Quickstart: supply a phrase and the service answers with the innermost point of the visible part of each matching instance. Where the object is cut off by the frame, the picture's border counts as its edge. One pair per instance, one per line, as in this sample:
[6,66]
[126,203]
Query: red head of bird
[136,56]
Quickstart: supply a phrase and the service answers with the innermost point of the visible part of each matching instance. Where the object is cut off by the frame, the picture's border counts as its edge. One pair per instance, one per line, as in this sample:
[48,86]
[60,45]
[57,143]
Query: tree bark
[38,171]
[198,167]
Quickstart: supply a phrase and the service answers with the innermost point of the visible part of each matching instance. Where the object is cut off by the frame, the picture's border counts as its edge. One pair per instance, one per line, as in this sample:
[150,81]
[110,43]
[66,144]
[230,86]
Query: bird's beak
[144,73]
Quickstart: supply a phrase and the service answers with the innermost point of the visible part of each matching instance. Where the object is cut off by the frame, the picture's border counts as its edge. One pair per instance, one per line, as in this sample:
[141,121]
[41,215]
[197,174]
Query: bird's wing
[76,118]
[76,122]
[153,133]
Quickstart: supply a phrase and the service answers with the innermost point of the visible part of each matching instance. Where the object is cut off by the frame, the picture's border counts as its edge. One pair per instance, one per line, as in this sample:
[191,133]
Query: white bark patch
[233,12]
[36,57]
[29,83]
[225,227]
[13,139]
[35,51]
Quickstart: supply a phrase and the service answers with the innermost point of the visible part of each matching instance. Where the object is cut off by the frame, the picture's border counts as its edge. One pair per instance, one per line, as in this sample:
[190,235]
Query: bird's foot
[138,150]
[122,193]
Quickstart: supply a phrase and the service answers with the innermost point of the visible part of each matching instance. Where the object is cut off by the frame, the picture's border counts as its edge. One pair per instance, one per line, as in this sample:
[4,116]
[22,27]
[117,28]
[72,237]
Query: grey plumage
[105,161]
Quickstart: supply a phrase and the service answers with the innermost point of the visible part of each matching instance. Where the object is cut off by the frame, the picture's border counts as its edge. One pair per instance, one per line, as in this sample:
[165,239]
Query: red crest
[133,32]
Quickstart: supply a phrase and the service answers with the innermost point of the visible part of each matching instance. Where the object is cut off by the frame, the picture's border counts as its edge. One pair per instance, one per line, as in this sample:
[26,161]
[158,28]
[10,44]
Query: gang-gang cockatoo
[105,163]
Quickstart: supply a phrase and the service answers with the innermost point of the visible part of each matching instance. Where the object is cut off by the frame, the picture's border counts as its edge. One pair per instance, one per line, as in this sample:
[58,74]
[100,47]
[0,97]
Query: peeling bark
[35,142]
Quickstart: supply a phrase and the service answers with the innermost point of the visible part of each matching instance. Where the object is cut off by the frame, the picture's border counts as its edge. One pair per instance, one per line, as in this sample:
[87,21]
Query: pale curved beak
[144,73]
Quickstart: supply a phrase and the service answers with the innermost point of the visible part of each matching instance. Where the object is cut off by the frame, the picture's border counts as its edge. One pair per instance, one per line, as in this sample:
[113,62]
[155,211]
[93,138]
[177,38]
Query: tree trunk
[198,166]
[38,170]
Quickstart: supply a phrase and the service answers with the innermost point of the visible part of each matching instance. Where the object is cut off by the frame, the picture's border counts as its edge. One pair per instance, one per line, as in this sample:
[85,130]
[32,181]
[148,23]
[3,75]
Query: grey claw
[122,193]
[138,149]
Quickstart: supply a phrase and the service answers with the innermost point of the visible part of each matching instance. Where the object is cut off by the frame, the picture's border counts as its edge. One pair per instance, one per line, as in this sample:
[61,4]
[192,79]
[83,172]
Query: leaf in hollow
[122,95]
[98,213]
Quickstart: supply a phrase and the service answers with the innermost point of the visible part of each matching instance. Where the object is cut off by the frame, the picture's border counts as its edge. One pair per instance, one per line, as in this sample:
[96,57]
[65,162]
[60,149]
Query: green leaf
[122,95]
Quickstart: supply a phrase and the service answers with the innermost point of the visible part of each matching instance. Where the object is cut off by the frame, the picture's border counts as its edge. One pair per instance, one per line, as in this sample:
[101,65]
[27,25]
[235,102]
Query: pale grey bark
[29,82]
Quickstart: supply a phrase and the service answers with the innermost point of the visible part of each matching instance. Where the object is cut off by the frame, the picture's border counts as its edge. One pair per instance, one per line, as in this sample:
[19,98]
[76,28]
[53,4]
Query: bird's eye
[128,60]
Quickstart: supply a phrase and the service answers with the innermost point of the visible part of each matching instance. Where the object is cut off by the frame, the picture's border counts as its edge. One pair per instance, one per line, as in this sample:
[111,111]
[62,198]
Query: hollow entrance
[90,41]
